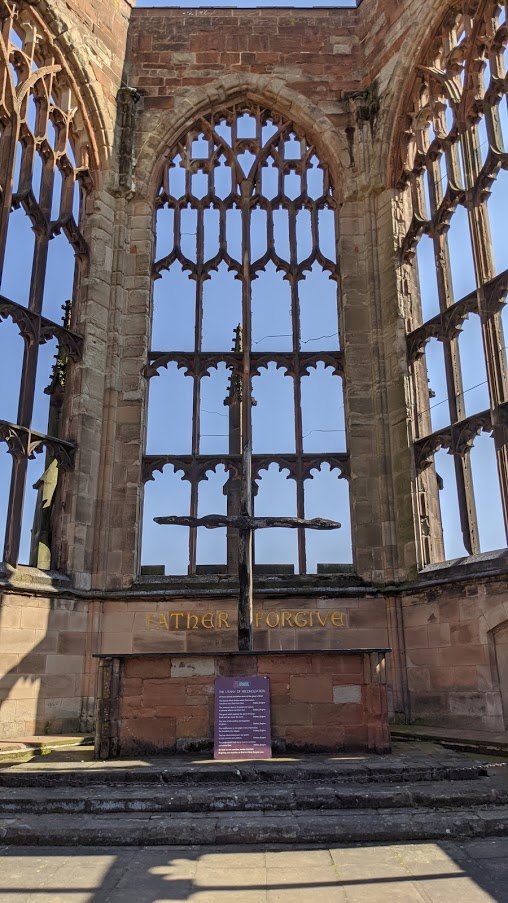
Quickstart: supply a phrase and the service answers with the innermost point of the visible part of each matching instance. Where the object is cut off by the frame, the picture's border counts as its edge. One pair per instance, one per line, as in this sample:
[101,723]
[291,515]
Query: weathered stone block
[347,693]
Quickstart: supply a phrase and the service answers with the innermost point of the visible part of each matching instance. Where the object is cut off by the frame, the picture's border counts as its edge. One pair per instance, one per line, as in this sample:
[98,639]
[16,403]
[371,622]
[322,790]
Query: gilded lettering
[320,618]
[273,614]
[222,621]
[258,616]
[207,621]
[177,615]
[338,619]
[298,619]
[192,621]
[163,622]
[149,620]
[287,616]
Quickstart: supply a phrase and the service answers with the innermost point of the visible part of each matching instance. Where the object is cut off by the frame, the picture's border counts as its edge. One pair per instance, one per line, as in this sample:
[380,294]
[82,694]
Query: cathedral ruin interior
[253,270]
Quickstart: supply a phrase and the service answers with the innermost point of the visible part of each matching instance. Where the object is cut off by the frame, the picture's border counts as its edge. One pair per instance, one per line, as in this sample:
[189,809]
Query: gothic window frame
[246,195]
[32,67]
[449,97]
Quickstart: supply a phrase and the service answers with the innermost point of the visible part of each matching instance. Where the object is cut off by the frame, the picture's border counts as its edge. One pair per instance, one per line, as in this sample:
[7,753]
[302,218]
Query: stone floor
[447,872]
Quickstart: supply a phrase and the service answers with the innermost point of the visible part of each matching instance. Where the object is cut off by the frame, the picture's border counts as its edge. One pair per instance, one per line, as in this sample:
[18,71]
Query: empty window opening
[222,309]
[214,419]
[59,282]
[437,388]
[40,241]
[254,281]
[497,207]
[453,305]
[5,484]
[212,544]
[17,268]
[164,233]
[47,364]
[170,412]
[319,314]
[165,552]
[323,411]
[276,495]
[211,233]
[326,495]
[174,303]
[489,507]
[11,365]
[33,490]
[449,506]
[461,254]
[304,238]
[273,421]
[429,293]
[474,372]
[271,310]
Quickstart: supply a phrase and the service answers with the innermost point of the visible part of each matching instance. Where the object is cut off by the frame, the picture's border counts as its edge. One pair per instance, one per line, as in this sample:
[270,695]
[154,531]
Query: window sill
[486,563]
[271,583]
[29,578]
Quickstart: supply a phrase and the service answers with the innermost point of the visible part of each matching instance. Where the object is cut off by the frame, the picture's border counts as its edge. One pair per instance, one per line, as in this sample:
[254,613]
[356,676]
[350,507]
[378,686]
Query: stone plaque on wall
[242,728]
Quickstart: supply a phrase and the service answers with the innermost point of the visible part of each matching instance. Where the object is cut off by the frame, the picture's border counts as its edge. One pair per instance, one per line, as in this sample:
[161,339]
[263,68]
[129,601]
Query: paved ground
[466,872]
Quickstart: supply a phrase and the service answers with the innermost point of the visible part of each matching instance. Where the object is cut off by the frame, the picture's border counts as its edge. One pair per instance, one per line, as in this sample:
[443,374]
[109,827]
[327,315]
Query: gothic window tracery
[454,278]
[43,176]
[245,302]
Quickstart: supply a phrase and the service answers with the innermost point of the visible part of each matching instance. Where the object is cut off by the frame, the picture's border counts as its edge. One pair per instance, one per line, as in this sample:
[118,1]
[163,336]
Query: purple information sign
[242,718]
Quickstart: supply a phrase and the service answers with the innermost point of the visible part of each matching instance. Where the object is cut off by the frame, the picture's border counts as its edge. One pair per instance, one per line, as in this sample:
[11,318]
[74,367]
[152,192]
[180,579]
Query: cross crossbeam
[245,524]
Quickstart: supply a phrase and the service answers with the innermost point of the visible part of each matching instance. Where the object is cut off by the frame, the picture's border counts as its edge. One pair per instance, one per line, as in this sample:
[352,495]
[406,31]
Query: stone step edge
[457,744]
[208,800]
[25,752]
[286,827]
[192,775]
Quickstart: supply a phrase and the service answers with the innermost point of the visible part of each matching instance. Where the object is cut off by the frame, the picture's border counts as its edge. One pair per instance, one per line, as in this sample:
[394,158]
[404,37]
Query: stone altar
[321,701]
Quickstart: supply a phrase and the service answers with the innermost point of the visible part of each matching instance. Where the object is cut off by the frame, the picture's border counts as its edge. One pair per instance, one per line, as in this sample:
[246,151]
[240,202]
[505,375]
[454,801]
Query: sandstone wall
[180,624]
[456,654]
[43,660]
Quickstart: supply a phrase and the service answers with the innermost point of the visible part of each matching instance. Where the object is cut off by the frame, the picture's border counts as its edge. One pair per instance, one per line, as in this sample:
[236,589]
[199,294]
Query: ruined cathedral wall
[309,65]
[92,36]
[44,651]
[46,635]
[456,636]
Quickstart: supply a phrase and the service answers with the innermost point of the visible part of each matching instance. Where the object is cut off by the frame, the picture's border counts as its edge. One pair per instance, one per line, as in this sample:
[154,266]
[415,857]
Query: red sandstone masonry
[316,702]
[316,50]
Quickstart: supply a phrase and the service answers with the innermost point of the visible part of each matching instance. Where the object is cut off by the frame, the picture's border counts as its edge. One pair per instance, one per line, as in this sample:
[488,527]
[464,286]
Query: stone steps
[254,797]
[311,826]
[307,800]
[395,769]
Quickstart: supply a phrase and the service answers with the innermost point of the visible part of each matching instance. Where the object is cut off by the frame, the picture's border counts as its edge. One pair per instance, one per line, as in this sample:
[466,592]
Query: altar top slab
[250,652]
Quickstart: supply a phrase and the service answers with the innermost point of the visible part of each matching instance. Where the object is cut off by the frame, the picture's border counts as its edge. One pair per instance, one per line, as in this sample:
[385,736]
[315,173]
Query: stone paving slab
[472,871]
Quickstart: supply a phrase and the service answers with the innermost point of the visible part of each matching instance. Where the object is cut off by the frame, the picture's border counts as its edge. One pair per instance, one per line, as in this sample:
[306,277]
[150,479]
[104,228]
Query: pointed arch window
[246,344]
[43,176]
[454,184]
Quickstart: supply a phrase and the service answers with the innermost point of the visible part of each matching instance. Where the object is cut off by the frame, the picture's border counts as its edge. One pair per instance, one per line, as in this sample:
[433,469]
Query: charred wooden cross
[245,524]
[240,518]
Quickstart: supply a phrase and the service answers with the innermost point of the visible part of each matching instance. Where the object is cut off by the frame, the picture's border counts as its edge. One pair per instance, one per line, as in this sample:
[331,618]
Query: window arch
[43,175]
[246,313]
[454,150]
